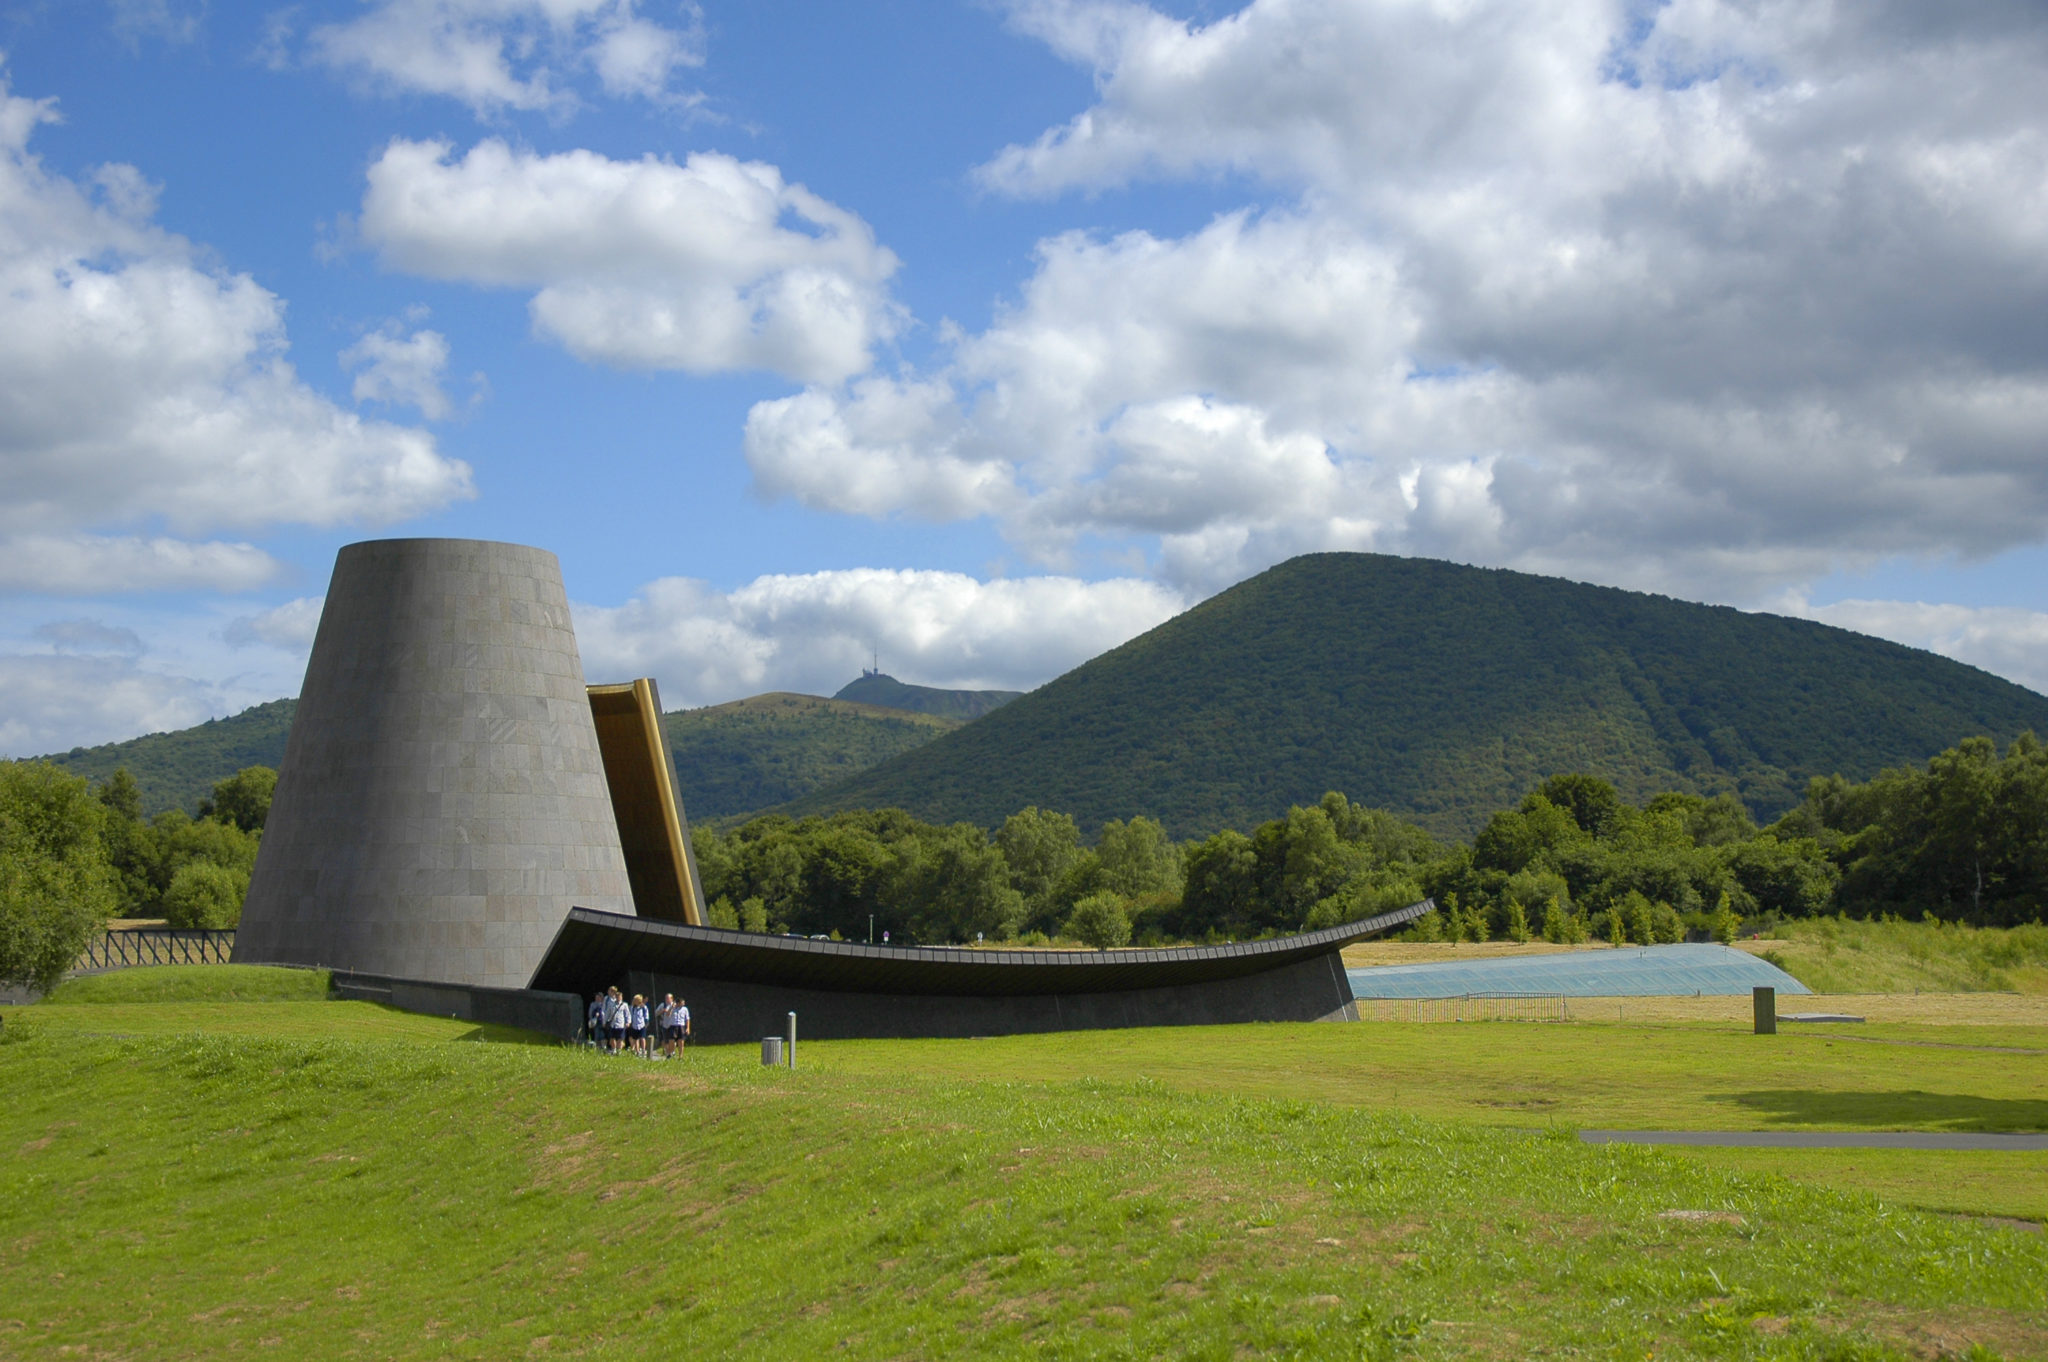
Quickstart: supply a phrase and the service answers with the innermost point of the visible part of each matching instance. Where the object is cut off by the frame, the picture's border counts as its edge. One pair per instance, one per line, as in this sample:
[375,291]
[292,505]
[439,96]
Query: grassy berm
[201,1195]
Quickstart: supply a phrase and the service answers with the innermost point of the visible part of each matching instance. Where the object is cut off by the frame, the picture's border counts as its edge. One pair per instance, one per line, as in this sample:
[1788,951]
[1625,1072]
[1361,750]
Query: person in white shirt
[614,1020]
[639,1020]
[682,1025]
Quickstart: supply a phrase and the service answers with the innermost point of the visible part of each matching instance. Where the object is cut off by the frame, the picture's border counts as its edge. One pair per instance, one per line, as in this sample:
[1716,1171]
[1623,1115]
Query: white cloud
[290,626]
[2007,641]
[88,564]
[1710,298]
[813,633]
[89,637]
[138,385]
[172,21]
[495,55]
[402,370]
[712,265]
[55,703]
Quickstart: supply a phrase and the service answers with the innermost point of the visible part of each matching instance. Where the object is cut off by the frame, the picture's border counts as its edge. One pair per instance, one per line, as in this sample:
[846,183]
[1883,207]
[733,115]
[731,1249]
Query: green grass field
[186,1178]
[1847,955]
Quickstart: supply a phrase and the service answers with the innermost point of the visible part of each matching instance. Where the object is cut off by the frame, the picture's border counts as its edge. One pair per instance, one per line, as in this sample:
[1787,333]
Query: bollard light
[792,1040]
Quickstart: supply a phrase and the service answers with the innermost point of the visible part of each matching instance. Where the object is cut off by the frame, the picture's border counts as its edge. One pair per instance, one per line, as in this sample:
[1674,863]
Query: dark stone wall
[552,1014]
[724,1013]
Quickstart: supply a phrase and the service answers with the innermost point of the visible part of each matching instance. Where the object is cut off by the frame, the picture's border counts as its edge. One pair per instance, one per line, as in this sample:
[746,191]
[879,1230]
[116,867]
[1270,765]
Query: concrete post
[1764,1003]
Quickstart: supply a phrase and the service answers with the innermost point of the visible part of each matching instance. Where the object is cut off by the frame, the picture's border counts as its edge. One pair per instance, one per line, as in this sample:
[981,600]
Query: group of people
[618,1027]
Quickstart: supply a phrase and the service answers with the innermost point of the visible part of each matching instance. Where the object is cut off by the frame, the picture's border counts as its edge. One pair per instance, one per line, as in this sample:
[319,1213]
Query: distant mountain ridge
[747,755]
[731,759]
[875,688]
[1442,692]
[176,770]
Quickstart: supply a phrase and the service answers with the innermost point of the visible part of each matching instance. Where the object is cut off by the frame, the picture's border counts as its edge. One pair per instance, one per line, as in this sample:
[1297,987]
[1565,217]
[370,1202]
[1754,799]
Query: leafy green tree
[56,885]
[959,886]
[1040,847]
[1518,922]
[243,798]
[753,915]
[720,913]
[1592,803]
[206,894]
[1724,924]
[120,796]
[1562,924]
[1138,858]
[170,842]
[1222,886]
[1428,927]
[1100,921]
[715,857]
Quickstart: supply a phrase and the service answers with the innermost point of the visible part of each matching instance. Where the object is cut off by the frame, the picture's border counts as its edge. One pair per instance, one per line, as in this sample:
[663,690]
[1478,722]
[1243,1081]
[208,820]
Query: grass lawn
[190,1177]
[230,1195]
[195,983]
[1848,955]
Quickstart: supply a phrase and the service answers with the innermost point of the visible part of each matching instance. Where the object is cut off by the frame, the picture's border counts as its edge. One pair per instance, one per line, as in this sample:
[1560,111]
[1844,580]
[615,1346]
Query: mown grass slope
[1445,693]
[219,1197]
[1850,955]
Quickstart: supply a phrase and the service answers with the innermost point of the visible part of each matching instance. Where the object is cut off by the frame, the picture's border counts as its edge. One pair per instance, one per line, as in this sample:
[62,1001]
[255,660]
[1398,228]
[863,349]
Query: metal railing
[134,946]
[1468,1007]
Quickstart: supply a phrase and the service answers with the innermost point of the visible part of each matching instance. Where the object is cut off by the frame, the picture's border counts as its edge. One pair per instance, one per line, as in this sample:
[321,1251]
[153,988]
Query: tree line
[1964,838]
[74,854]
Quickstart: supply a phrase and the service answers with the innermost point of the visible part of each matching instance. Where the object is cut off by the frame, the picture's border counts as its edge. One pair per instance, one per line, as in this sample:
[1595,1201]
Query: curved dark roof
[595,949]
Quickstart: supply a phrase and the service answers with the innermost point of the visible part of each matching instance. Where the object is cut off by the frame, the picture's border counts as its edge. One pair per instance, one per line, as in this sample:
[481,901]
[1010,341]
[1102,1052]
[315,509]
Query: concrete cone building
[442,802]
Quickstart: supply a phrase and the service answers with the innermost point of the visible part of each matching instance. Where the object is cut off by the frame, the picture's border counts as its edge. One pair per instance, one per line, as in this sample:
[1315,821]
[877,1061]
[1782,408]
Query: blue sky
[988,335]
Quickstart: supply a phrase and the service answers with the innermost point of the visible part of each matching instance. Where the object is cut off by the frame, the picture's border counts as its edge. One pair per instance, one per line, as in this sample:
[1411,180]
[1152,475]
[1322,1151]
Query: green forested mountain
[176,770]
[874,688]
[746,755]
[730,759]
[1443,692]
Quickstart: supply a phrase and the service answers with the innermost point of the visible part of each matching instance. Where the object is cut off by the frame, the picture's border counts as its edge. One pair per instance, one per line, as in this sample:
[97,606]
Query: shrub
[206,894]
[1100,921]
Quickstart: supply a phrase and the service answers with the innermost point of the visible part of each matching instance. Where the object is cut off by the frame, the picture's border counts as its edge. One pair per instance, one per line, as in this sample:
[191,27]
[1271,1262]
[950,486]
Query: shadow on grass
[1918,1110]
[506,1035]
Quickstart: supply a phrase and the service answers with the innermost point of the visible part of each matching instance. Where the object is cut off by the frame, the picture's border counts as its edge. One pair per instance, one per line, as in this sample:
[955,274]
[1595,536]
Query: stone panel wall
[442,802]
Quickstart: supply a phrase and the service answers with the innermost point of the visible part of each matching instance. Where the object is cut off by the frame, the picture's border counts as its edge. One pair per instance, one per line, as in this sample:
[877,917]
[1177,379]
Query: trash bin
[771,1051]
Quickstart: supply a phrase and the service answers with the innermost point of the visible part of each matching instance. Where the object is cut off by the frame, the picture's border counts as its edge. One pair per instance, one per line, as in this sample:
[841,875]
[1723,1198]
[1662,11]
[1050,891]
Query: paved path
[1819,1139]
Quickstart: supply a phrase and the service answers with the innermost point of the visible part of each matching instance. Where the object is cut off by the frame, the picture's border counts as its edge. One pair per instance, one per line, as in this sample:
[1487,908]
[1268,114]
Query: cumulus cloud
[1710,298]
[90,564]
[813,633]
[290,626]
[138,384]
[55,703]
[496,55]
[712,265]
[400,370]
